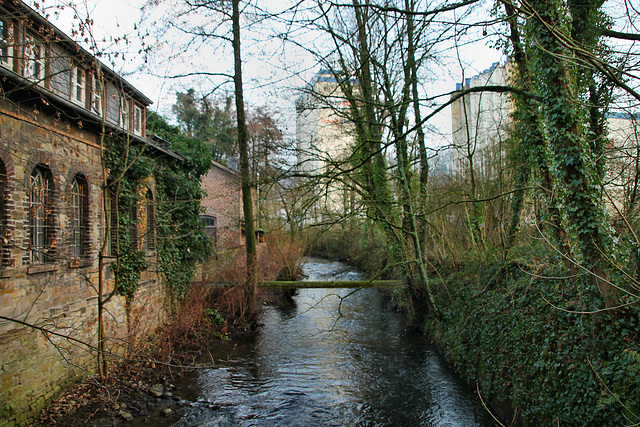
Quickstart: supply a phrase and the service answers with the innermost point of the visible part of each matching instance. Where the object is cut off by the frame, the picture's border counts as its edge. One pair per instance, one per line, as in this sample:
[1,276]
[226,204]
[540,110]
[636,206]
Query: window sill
[7,272]
[43,268]
[79,263]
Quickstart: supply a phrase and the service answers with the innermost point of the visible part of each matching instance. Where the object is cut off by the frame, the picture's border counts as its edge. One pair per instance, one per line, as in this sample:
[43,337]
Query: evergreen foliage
[128,168]
[532,343]
[181,239]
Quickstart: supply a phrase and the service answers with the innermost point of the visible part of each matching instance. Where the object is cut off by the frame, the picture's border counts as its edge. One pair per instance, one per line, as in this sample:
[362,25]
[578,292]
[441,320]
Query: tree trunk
[251,284]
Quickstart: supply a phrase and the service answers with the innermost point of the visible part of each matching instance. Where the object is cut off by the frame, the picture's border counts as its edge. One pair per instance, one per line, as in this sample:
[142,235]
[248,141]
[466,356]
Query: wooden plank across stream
[352,284]
[332,284]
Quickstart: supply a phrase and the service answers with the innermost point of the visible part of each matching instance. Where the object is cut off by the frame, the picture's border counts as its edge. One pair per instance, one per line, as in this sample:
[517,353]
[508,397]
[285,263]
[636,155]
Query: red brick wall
[223,201]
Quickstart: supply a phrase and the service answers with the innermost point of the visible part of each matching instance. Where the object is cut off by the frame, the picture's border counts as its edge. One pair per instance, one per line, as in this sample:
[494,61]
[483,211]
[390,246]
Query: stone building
[57,101]
[223,216]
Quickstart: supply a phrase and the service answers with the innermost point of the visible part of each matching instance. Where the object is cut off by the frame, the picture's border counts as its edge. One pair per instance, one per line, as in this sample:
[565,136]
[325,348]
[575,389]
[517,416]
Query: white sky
[267,81]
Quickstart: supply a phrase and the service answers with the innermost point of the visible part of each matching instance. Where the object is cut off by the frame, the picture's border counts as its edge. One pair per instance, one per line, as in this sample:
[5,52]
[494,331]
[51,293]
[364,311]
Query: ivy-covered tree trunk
[528,151]
[577,181]
[251,284]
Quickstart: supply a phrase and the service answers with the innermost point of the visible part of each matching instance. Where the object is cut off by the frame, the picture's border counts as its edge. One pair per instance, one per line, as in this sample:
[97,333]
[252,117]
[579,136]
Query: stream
[329,357]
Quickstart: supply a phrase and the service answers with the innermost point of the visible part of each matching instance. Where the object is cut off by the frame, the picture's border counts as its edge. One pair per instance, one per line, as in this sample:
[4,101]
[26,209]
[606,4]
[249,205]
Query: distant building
[324,131]
[223,216]
[623,159]
[325,138]
[480,123]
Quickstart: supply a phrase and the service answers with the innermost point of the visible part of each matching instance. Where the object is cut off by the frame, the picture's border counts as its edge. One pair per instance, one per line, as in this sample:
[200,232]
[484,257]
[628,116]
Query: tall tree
[251,284]
[211,121]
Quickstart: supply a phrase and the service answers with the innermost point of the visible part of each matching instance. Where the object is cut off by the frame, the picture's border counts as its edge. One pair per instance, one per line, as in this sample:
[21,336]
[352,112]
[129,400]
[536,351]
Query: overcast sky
[271,72]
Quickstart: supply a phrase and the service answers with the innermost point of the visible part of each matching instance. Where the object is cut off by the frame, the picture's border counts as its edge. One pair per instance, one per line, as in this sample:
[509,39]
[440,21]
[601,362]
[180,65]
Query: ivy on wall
[128,169]
[181,242]
[181,239]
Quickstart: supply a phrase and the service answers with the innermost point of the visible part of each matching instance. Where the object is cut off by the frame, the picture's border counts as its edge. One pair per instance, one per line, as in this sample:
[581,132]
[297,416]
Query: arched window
[79,217]
[41,243]
[4,249]
[150,227]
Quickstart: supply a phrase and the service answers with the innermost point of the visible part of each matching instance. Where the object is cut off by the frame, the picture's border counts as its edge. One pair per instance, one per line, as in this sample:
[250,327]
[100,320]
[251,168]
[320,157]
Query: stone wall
[58,295]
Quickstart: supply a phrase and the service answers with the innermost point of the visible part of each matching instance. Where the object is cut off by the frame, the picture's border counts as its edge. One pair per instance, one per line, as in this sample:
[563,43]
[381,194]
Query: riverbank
[532,343]
[527,333]
[140,388]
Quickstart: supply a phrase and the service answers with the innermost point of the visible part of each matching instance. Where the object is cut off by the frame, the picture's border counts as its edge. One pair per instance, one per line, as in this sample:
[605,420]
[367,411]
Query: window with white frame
[77,85]
[6,43]
[34,66]
[137,120]
[124,114]
[96,95]
[210,225]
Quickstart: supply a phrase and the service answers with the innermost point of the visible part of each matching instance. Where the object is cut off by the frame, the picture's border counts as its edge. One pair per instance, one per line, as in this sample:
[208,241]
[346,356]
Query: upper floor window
[34,65]
[79,217]
[124,111]
[40,214]
[6,43]
[137,120]
[96,95]
[77,85]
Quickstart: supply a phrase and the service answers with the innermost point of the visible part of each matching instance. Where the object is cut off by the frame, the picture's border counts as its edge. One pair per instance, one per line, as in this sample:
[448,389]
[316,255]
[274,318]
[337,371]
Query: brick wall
[224,202]
[59,295]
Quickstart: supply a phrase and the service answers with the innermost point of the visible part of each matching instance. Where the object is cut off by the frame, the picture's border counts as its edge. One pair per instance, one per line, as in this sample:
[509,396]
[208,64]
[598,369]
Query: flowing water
[330,357]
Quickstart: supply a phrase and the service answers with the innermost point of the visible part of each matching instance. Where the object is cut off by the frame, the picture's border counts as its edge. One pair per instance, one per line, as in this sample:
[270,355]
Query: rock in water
[126,415]
[157,390]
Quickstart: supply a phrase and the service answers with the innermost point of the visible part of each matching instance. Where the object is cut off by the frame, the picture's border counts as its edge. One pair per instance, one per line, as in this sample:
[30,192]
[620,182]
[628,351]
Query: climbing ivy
[530,344]
[181,241]
[180,236]
[128,168]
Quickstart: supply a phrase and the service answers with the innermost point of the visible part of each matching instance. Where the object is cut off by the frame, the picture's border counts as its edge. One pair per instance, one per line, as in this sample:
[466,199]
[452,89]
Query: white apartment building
[324,135]
[480,123]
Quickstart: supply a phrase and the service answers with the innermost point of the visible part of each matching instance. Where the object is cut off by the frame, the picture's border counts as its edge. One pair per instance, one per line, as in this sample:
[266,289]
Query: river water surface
[330,357]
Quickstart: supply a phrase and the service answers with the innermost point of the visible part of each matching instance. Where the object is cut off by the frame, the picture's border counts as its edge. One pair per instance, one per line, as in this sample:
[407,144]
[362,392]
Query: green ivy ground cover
[528,339]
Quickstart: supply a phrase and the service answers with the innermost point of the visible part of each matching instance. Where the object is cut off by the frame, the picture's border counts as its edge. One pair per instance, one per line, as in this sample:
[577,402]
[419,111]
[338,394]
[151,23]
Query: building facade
[57,103]
[223,216]
[480,123]
[325,138]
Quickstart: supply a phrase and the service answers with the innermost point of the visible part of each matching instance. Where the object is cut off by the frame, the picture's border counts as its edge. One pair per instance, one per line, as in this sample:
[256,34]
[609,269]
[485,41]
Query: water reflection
[331,358]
